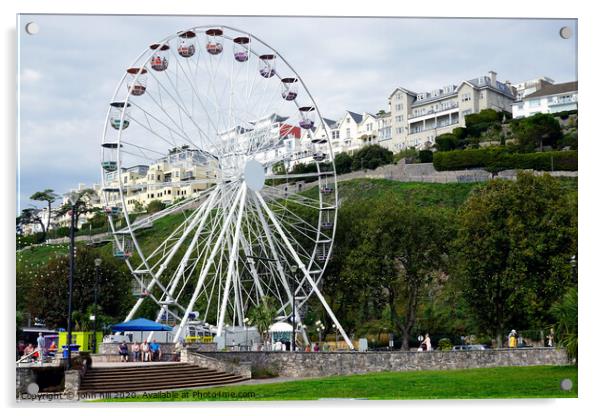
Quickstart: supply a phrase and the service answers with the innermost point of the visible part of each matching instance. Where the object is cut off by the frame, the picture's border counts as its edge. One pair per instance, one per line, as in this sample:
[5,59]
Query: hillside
[425,194]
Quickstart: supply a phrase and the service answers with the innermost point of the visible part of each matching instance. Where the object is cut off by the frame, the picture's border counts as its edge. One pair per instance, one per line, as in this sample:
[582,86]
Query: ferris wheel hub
[254,175]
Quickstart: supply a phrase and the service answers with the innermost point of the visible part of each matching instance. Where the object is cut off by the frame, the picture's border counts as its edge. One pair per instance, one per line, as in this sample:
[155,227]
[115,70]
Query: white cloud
[347,64]
[30,75]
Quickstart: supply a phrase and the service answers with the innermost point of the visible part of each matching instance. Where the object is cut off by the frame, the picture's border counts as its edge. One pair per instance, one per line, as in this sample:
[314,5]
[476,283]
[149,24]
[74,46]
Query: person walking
[41,346]
[426,343]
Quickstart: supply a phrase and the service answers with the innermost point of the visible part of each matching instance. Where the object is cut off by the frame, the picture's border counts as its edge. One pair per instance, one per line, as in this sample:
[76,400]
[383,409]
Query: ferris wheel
[207,122]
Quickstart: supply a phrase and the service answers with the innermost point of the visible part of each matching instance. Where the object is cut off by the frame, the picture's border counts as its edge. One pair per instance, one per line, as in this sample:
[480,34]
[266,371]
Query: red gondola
[214,41]
[158,60]
[186,48]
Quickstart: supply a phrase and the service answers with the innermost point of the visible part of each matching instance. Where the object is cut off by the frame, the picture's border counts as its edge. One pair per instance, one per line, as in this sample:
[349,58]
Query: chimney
[493,76]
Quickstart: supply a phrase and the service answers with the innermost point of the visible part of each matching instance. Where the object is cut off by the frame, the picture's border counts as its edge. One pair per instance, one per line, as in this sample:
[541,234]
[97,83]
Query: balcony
[438,126]
[429,112]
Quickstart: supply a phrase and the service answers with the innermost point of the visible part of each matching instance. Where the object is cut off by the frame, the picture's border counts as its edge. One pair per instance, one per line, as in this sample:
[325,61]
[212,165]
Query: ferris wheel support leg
[232,260]
[254,273]
[155,278]
[207,266]
[304,270]
[268,235]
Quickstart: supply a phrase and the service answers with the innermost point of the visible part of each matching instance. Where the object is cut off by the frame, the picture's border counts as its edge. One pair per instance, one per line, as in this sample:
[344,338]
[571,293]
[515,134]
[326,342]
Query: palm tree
[49,197]
[565,311]
[262,316]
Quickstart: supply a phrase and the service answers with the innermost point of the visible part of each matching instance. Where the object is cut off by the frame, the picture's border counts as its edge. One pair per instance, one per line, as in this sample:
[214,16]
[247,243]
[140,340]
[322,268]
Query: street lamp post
[247,321]
[97,263]
[336,337]
[73,198]
[293,341]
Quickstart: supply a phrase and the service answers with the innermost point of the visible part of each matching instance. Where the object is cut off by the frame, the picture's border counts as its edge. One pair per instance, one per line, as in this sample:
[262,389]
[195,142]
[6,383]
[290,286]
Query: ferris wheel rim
[126,103]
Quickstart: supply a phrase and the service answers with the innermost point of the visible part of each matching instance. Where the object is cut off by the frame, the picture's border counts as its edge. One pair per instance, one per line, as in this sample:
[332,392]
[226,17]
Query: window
[397,107]
[466,97]
[466,112]
[398,130]
[520,106]
[348,133]
[398,96]
[482,95]
[398,119]
[534,103]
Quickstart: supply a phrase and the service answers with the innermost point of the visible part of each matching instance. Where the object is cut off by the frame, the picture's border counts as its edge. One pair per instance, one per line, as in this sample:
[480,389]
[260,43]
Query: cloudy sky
[70,68]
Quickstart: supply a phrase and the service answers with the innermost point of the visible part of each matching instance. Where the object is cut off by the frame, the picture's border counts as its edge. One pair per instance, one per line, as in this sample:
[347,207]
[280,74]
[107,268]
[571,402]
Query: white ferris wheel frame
[200,218]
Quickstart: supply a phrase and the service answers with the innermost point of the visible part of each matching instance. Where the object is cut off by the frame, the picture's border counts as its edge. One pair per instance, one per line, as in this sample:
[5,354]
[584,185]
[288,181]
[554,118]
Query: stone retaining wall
[319,364]
[234,366]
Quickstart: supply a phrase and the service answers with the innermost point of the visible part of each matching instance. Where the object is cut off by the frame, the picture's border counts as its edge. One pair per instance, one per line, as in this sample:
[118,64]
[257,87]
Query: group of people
[144,351]
[36,353]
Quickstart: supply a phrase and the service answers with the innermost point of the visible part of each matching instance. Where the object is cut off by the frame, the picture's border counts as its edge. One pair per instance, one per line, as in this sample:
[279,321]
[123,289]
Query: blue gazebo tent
[140,324]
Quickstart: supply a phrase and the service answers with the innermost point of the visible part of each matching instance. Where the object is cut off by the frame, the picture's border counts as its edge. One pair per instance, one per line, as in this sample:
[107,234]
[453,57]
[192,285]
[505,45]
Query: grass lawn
[486,383]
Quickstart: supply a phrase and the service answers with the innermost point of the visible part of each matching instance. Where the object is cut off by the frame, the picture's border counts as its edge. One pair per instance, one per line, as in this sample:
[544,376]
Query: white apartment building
[182,173]
[347,135]
[550,98]
[530,86]
[417,118]
[384,126]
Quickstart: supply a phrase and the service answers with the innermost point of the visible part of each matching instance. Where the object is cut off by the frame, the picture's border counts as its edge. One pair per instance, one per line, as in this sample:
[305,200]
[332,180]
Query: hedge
[495,160]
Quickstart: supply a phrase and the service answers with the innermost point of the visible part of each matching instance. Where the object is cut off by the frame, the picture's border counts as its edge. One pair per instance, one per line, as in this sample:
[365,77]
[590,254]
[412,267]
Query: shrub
[445,344]
[155,206]
[343,163]
[410,155]
[371,157]
[498,159]
[446,142]
[565,311]
[425,156]
[264,371]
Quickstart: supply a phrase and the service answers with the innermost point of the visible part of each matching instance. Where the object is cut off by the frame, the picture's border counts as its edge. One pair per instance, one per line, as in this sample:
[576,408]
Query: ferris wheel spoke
[229,248]
[209,262]
[179,127]
[272,247]
[302,267]
[183,108]
[153,132]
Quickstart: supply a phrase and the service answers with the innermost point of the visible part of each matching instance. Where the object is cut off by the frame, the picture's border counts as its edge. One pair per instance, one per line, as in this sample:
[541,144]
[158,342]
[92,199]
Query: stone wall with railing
[320,364]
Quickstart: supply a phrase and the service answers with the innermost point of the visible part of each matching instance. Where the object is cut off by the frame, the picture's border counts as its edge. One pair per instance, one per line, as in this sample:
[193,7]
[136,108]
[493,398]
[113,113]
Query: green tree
[47,297]
[393,253]
[48,196]
[343,163]
[84,204]
[263,315]
[155,206]
[513,250]
[537,131]
[371,157]
[565,312]
[31,216]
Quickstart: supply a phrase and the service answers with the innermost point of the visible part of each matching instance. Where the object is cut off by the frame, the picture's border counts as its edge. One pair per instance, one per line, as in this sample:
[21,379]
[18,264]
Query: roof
[140,324]
[402,90]
[281,327]
[355,116]
[330,123]
[485,82]
[553,89]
